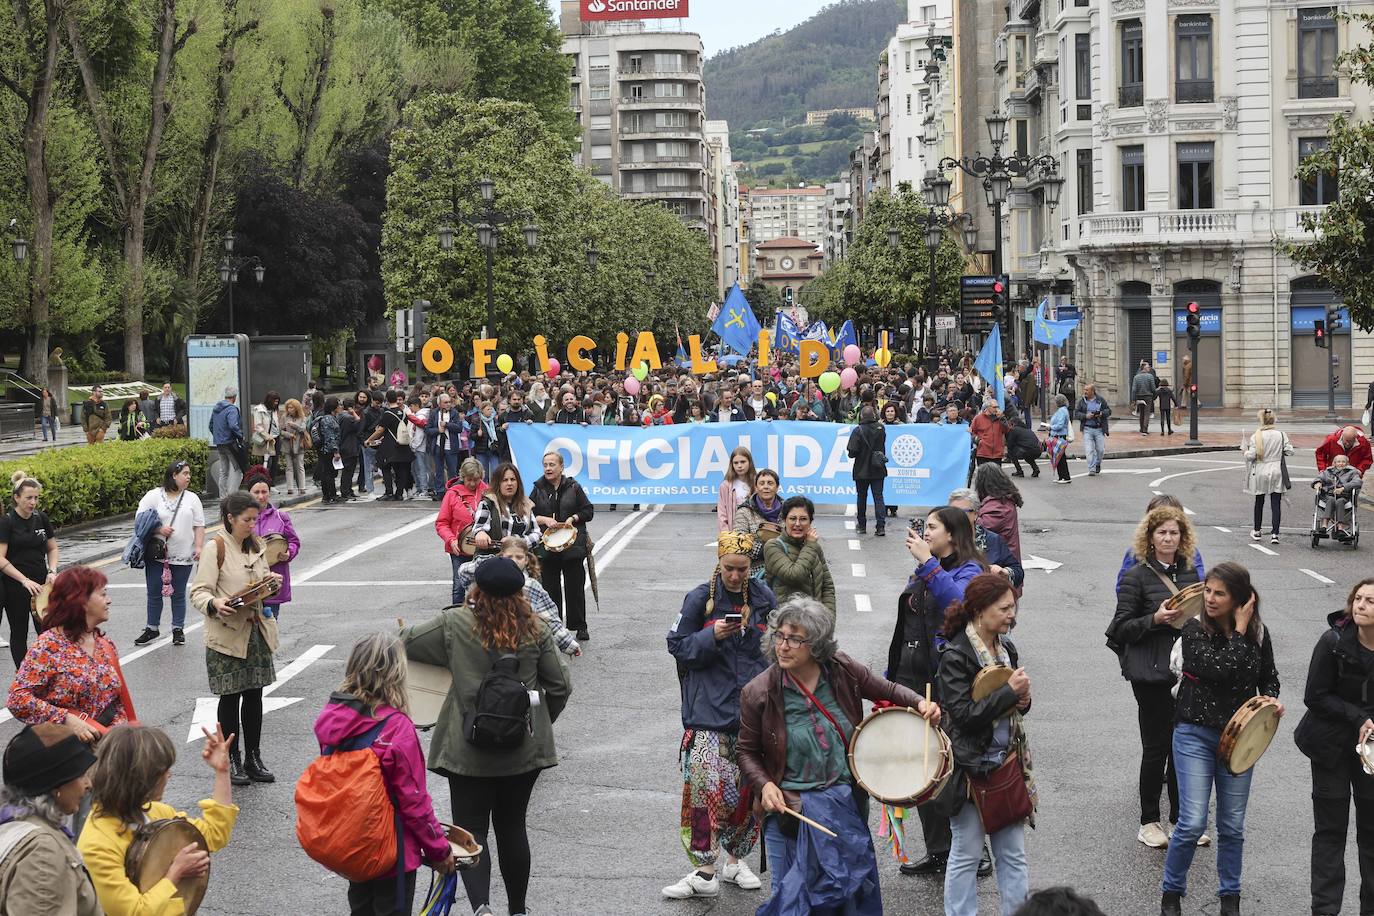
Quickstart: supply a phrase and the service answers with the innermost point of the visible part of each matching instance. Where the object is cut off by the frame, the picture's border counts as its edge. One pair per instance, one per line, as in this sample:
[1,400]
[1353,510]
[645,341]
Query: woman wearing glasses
[796,721]
[169,554]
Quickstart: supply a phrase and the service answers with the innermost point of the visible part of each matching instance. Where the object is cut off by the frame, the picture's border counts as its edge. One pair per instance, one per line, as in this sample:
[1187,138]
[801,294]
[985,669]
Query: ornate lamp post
[229,272]
[938,218]
[487,224]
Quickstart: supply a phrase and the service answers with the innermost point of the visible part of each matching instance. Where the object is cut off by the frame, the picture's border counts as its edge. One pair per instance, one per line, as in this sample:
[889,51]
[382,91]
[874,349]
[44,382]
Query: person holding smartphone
[718,644]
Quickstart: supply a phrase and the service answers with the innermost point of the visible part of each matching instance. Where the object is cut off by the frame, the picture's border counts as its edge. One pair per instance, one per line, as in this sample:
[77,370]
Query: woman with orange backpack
[368,712]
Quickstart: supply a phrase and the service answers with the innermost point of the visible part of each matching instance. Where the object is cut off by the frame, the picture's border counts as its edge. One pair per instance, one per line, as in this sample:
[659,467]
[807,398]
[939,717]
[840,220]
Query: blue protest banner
[685,464]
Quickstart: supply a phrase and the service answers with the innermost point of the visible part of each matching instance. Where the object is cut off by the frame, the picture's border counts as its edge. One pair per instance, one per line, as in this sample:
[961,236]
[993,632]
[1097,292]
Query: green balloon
[829,381]
[641,372]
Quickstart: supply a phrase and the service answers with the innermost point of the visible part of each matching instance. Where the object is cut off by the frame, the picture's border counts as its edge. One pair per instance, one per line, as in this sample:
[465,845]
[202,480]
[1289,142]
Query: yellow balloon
[504,362]
[882,357]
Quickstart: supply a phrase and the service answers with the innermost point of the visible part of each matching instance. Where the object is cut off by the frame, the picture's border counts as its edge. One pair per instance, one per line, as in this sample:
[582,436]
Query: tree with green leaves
[765,300]
[1341,251]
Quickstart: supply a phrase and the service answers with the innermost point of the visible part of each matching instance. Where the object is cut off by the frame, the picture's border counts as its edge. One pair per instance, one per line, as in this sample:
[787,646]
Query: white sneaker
[1204,840]
[693,886]
[739,874]
[1153,836]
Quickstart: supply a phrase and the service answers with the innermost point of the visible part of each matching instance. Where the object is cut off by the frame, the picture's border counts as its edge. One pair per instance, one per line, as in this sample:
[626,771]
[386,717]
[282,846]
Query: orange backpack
[345,818]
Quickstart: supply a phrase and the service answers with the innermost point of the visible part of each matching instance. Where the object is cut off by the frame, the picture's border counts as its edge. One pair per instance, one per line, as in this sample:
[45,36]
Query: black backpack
[500,718]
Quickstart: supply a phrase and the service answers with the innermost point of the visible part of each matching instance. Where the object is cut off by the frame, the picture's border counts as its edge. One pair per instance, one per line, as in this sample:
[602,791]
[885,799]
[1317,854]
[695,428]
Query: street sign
[1068,313]
[1161,357]
[977,304]
[945,322]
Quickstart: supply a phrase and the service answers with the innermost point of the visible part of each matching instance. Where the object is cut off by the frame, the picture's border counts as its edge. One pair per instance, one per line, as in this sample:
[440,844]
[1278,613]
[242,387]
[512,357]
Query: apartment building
[818,118]
[1177,127]
[641,102]
[725,203]
[913,90]
[838,228]
[787,213]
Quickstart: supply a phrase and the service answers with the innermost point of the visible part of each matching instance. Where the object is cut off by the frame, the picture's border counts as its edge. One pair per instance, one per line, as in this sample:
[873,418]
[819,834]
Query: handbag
[156,548]
[1001,796]
[1283,467]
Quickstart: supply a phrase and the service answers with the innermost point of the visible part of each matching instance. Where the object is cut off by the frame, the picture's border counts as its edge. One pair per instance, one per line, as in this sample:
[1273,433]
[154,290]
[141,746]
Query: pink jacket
[1000,515]
[403,768]
[726,504]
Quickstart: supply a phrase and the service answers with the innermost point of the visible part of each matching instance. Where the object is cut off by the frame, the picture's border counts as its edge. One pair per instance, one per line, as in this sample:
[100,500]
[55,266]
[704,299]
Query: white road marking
[862,604]
[850,524]
[1034,562]
[1222,530]
[364,547]
[1318,576]
[857,570]
[616,529]
[1264,550]
[851,509]
[207,708]
[853,544]
[1187,511]
[1130,470]
[604,561]
[1158,481]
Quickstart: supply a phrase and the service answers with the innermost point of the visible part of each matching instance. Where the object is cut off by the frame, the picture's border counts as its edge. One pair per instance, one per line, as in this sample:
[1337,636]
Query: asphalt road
[604,822]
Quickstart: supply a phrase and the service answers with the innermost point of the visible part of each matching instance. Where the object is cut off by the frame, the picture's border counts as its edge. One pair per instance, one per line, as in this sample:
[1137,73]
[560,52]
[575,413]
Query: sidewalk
[11,449]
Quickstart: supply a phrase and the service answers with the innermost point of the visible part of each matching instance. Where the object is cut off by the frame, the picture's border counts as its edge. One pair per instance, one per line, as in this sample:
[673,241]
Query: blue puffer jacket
[225,427]
[710,673]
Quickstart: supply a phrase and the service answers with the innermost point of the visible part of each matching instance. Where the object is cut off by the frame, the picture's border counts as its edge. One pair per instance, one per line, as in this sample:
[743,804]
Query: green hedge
[83,483]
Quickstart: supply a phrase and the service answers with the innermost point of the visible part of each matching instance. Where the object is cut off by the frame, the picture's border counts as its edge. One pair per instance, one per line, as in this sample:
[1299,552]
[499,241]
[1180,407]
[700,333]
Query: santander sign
[633,9]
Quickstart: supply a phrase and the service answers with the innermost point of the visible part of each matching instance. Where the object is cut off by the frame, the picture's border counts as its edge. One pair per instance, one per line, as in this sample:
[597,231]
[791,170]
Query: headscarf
[730,542]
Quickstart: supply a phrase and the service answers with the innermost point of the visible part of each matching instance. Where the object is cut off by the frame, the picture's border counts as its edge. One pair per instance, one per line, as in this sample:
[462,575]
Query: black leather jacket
[1339,694]
[968,722]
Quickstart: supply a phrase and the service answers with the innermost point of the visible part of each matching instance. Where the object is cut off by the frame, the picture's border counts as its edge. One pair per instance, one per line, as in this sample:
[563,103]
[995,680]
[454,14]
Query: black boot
[1230,906]
[1171,904]
[255,770]
[236,775]
[930,865]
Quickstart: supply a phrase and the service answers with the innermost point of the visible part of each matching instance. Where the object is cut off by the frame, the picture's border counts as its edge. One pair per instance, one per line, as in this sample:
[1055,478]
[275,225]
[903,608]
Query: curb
[1172,450]
[103,558]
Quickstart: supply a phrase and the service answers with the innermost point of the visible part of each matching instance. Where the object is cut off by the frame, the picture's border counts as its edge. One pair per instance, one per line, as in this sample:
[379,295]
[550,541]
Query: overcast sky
[728,23]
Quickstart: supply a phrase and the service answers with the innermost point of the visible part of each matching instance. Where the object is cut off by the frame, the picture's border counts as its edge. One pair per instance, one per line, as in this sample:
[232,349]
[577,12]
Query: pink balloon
[631,385]
[849,378]
[852,356]
[554,367]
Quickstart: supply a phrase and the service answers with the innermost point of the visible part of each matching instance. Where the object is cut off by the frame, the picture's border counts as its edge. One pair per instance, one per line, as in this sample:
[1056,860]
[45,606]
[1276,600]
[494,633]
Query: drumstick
[925,766]
[806,820]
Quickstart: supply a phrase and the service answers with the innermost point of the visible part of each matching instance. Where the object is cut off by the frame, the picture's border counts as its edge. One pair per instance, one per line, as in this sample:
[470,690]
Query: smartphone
[918,524]
[733,619]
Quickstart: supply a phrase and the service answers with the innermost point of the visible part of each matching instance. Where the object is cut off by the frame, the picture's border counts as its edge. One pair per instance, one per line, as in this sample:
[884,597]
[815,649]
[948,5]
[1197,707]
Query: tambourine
[151,853]
[1188,600]
[276,549]
[38,606]
[990,680]
[557,540]
[467,541]
[767,531]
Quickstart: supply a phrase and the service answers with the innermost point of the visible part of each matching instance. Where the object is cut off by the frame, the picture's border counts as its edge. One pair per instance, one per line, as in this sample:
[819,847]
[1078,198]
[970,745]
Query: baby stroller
[1323,509]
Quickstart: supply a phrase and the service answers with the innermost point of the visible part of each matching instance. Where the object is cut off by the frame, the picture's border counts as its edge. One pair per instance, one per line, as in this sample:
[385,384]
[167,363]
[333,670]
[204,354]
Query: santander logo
[596,6]
[634,9]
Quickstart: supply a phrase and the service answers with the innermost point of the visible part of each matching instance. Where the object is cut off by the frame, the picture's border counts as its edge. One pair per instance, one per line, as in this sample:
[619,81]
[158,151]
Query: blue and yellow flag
[1051,333]
[736,325]
[989,366]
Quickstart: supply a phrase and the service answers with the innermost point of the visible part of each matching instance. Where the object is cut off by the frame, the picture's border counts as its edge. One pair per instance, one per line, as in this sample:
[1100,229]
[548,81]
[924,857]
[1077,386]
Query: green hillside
[828,61]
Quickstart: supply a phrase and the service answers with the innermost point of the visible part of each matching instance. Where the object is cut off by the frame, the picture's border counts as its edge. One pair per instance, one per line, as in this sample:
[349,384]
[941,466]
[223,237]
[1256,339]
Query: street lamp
[229,272]
[593,255]
[487,226]
[18,245]
[996,173]
[938,218]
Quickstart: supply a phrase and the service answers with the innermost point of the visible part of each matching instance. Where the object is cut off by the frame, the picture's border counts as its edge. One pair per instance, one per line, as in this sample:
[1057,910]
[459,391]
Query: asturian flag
[736,325]
[818,331]
[989,365]
[846,336]
[786,336]
[1051,333]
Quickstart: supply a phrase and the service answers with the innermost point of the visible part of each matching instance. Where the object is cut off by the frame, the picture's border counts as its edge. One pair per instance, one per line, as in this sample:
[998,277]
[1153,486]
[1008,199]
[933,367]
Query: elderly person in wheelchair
[1338,490]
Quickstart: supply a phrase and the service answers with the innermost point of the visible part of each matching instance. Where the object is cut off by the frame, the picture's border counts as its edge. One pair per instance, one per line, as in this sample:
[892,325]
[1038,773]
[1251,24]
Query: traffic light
[787,296]
[1319,333]
[1194,321]
[1000,308]
[1333,318]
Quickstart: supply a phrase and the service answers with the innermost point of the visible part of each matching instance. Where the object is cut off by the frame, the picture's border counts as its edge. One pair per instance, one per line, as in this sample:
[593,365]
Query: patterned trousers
[716,802]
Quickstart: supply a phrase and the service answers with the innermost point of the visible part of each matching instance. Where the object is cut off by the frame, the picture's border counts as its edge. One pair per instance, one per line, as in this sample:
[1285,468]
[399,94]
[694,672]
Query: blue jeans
[961,871]
[419,471]
[50,423]
[1198,769]
[781,850]
[1094,446]
[369,468]
[489,462]
[445,467]
[152,575]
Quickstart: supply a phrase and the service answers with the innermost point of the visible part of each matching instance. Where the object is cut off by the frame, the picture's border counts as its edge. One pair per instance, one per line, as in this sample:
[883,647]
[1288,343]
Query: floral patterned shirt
[58,677]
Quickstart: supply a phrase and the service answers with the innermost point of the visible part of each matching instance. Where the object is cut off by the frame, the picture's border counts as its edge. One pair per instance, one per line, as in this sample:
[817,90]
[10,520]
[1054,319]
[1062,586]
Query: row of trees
[877,284]
[651,272]
[135,133]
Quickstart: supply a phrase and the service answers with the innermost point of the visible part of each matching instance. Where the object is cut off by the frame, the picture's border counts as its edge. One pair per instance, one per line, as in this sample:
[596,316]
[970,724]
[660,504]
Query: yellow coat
[229,635]
[105,841]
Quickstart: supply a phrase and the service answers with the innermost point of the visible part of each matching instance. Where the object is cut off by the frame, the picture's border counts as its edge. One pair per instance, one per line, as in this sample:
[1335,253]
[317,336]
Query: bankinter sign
[633,9]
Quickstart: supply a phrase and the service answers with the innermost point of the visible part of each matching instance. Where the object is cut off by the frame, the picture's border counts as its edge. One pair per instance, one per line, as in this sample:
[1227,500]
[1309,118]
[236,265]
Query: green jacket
[798,568]
[449,640]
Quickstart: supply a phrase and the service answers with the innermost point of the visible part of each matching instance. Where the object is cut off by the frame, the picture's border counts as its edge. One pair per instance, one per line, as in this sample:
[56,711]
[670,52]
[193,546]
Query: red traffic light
[1193,308]
[1193,388]
[998,288]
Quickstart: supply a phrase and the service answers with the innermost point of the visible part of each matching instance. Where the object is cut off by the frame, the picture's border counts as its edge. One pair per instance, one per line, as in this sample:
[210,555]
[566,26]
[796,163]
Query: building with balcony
[725,204]
[838,229]
[641,103]
[912,89]
[1182,189]
[776,213]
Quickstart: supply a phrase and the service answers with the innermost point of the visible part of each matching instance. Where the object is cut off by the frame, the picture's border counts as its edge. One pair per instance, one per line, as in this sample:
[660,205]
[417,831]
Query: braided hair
[730,542]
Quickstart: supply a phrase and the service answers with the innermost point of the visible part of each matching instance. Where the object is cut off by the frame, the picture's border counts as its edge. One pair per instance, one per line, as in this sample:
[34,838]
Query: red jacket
[457,511]
[1359,454]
